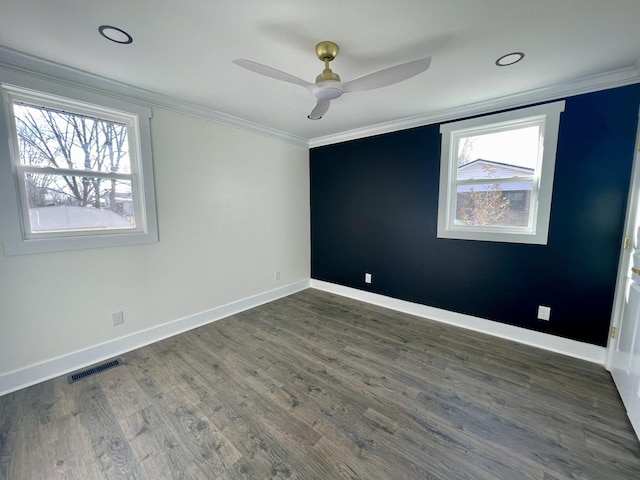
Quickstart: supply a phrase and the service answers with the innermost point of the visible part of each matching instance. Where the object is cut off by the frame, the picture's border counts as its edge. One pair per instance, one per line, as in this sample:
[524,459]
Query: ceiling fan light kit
[328,85]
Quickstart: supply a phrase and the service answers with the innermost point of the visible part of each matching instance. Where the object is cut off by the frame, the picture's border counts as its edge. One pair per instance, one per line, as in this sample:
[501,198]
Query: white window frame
[14,215]
[537,231]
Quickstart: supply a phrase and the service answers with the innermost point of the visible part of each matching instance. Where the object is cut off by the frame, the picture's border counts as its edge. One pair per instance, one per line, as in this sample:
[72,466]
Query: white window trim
[538,231]
[16,238]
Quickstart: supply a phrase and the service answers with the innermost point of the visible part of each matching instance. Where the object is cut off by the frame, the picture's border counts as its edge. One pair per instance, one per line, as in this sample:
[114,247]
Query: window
[78,171]
[496,175]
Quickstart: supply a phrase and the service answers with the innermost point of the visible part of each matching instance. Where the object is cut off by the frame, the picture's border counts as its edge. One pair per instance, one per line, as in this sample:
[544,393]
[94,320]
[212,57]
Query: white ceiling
[183,49]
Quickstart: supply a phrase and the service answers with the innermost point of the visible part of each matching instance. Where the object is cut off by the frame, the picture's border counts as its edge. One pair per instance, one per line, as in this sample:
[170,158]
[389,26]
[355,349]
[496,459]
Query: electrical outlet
[118,318]
[544,313]
[367,278]
[276,275]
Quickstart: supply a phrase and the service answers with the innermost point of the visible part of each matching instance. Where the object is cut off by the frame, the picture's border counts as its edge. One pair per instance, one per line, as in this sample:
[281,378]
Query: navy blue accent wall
[374,207]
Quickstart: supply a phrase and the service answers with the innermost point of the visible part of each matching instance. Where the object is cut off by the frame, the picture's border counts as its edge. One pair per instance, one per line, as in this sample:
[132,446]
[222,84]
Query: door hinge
[626,243]
[614,331]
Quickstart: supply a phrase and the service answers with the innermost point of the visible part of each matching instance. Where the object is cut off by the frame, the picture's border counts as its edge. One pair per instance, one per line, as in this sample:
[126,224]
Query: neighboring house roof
[74,218]
[477,169]
[501,169]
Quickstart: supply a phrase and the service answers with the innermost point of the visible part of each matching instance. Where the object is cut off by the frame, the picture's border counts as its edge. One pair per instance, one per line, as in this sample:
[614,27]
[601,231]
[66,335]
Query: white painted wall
[233,207]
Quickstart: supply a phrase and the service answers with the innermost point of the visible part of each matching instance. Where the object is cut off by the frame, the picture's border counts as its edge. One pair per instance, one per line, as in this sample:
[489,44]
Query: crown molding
[592,83]
[39,67]
[36,66]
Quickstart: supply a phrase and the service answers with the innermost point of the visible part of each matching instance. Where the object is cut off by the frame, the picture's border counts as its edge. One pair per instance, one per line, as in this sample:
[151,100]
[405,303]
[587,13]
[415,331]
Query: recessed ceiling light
[509,59]
[115,34]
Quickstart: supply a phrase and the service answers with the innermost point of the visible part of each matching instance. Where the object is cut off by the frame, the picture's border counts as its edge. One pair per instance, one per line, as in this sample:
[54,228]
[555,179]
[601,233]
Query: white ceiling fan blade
[320,109]
[388,76]
[272,72]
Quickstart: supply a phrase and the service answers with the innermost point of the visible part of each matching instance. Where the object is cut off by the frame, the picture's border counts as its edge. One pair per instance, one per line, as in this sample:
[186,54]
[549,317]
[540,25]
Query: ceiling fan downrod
[326,52]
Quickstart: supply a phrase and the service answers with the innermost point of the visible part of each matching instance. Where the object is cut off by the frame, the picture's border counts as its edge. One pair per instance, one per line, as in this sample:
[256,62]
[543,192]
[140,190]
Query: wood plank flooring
[316,386]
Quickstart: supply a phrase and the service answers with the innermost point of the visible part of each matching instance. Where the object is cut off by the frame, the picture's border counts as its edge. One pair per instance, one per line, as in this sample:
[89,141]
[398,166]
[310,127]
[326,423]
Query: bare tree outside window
[79,159]
[465,151]
[484,204]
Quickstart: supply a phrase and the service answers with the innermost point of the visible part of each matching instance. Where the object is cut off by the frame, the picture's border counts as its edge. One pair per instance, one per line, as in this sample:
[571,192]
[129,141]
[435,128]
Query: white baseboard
[572,348]
[24,377]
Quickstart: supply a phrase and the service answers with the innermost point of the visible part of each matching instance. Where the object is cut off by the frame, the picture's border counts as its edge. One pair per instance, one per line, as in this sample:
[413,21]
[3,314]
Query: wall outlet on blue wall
[544,313]
[367,278]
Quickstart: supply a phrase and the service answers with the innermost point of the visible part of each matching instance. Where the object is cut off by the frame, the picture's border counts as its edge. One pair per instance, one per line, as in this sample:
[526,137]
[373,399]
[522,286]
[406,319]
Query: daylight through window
[497,175]
[77,169]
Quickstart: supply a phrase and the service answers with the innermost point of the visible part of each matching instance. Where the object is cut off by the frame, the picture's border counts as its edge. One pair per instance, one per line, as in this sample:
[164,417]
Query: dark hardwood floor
[316,386]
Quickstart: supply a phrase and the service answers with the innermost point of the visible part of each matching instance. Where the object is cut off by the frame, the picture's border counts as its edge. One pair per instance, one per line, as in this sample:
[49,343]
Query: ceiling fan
[328,85]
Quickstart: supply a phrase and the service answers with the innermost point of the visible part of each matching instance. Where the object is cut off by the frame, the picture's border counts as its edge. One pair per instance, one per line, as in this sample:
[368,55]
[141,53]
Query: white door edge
[624,265]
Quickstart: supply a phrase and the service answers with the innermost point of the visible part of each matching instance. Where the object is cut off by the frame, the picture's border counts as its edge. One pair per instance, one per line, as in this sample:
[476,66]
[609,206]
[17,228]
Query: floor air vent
[74,377]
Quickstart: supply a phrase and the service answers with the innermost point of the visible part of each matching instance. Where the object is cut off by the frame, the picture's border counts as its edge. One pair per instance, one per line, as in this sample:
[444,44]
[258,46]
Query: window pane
[75,203]
[494,204]
[506,152]
[57,139]
[496,175]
